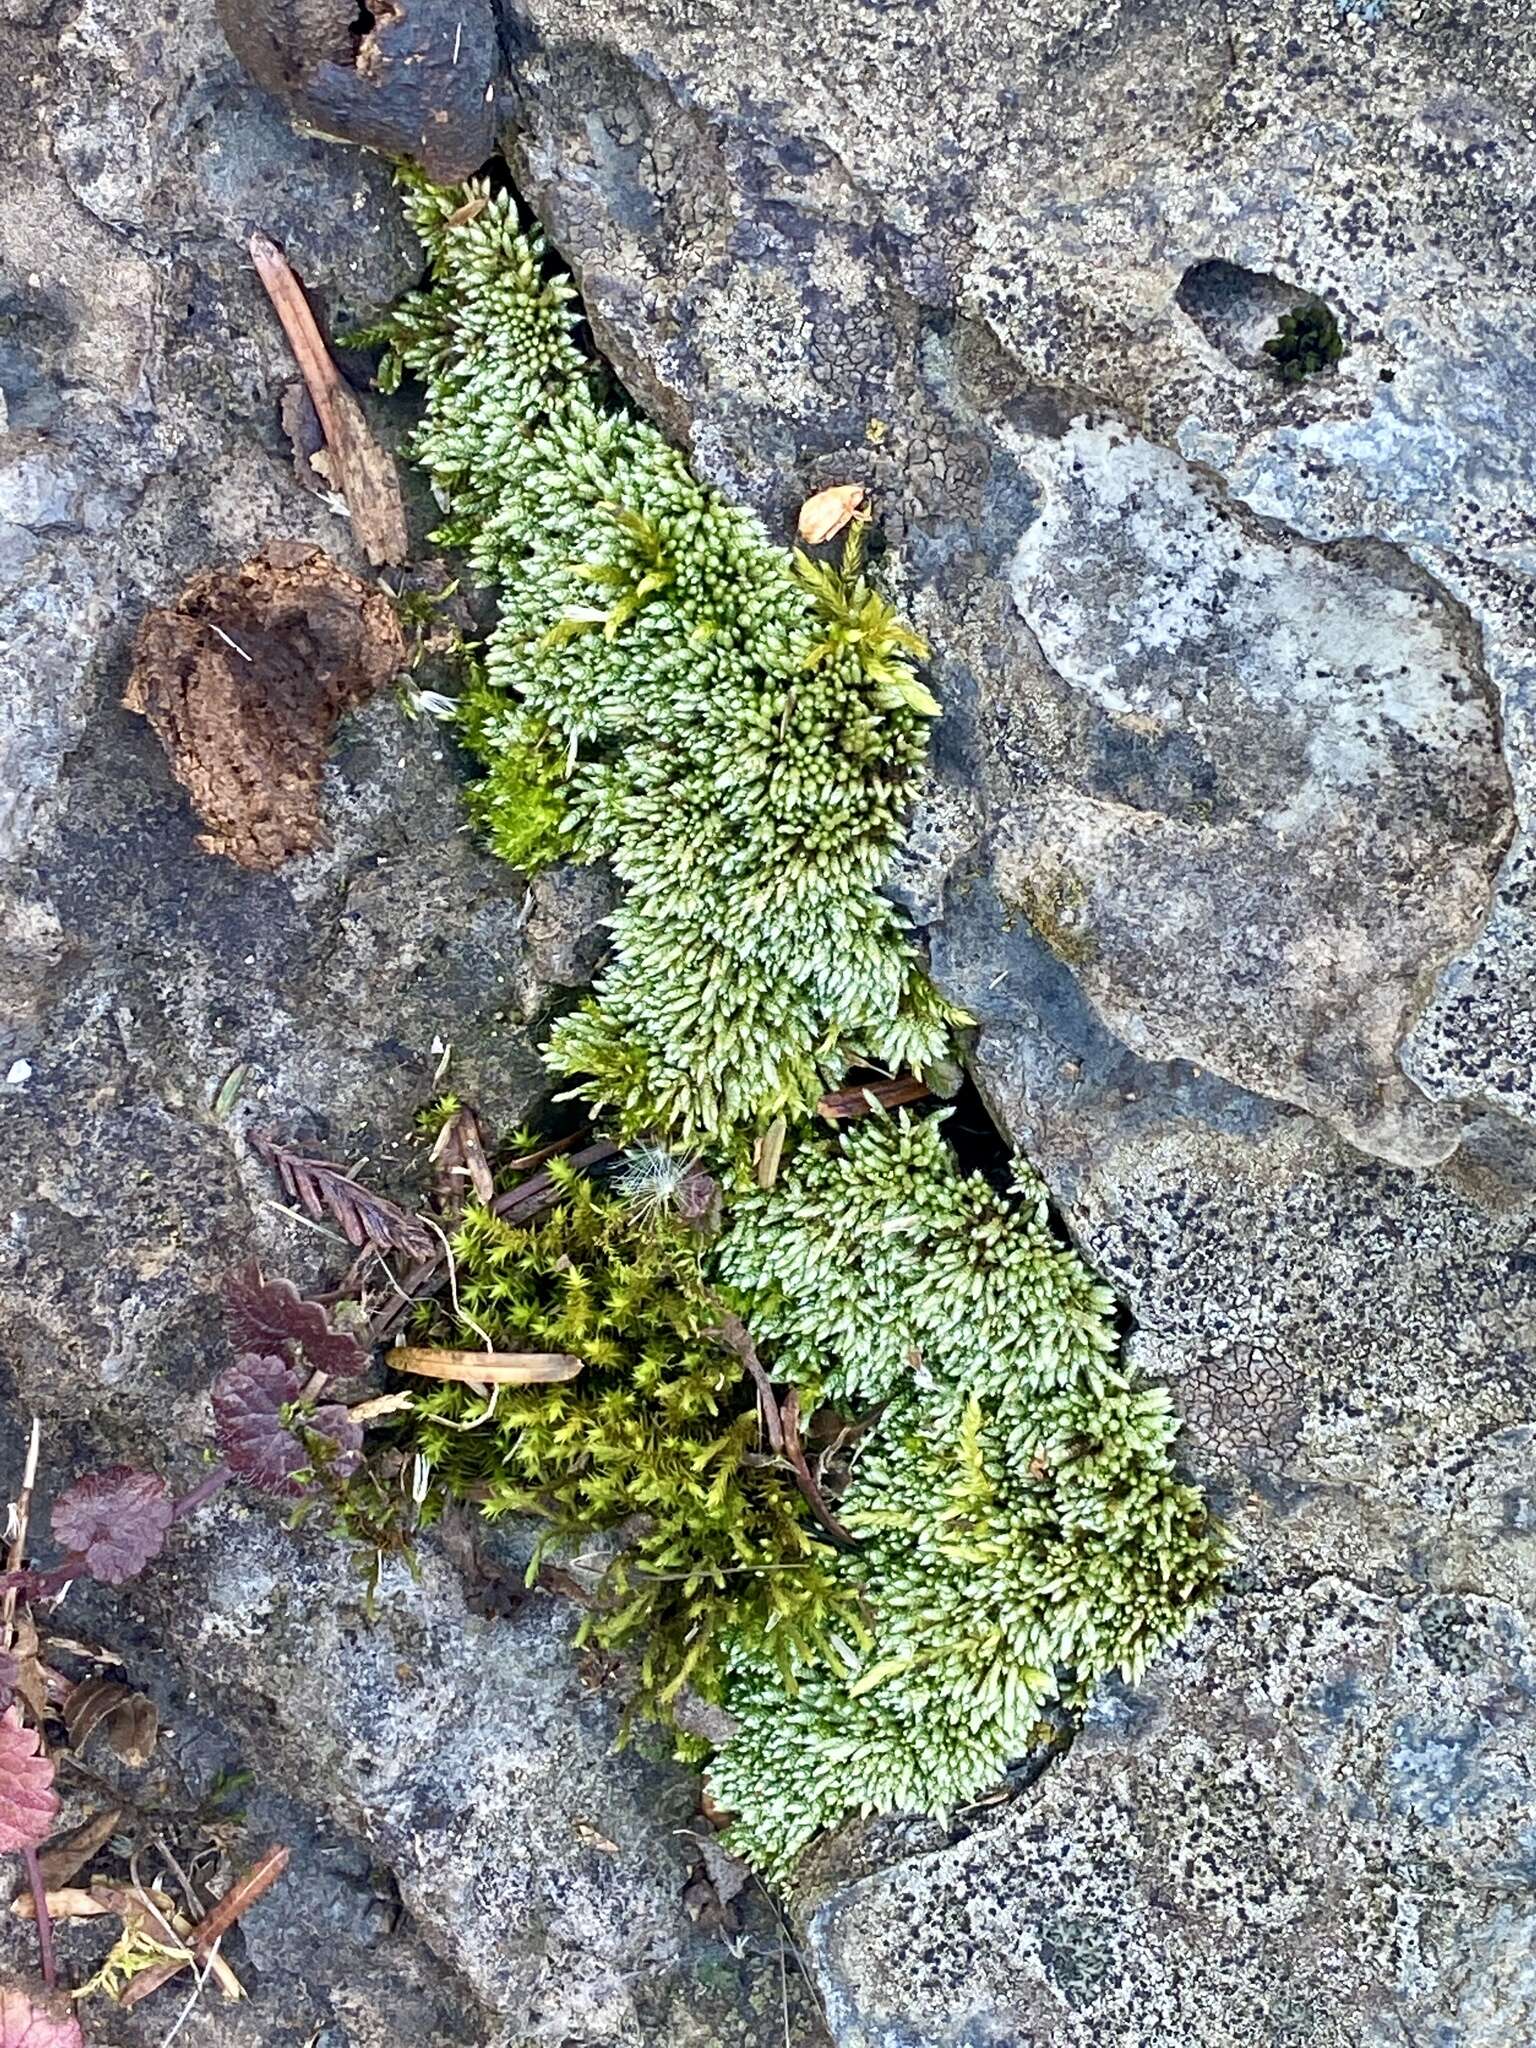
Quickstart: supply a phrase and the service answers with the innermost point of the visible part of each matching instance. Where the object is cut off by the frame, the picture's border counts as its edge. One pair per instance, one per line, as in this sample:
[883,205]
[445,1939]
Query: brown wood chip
[355,464]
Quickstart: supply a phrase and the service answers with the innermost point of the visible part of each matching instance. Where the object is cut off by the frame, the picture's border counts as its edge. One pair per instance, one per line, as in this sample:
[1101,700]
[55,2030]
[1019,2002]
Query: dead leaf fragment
[354,463]
[461,1162]
[823,516]
[321,1189]
[243,680]
[69,1853]
[130,1720]
[487,1368]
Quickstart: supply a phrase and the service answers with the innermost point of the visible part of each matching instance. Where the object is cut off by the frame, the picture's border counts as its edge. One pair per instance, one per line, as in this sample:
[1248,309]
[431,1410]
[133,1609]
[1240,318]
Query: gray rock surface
[447,1784]
[1250,944]
[1250,947]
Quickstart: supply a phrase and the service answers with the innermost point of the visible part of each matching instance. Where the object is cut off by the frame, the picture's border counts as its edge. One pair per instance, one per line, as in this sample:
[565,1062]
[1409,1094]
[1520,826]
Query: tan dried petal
[828,512]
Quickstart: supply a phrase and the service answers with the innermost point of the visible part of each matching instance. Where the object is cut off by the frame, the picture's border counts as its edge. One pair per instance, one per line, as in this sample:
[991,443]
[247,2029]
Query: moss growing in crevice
[656,1443]
[738,731]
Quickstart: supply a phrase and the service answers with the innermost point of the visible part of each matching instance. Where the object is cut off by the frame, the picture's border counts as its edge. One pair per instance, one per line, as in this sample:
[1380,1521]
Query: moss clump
[657,1439]
[1023,1531]
[1308,341]
[736,729]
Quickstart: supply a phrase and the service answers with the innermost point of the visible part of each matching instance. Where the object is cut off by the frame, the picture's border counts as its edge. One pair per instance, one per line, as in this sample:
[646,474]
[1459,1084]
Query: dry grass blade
[322,1189]
[867,1098]
[354,462]
[488,1368]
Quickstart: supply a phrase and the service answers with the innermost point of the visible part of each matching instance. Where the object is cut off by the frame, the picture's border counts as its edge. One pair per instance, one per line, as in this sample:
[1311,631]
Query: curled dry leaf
[488,1368]
[114,1521]
[68,1854]
[824,516]
[29,2022]
[131,1721]
[28,1803]
[268,1316]
[321,1189]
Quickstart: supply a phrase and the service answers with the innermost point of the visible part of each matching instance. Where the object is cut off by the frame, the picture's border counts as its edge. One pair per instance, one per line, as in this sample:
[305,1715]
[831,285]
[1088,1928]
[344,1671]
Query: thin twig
[782,1423]
[21,1513]
[216,1922]
[43,1916]
[359,468]
[863,1098]
[197,1991]
[16,1552]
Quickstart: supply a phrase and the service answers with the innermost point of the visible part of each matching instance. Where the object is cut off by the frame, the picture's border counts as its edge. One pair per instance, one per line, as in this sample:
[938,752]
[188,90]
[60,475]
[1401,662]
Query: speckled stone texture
[1223,845]
[445,1783]
[1250,946]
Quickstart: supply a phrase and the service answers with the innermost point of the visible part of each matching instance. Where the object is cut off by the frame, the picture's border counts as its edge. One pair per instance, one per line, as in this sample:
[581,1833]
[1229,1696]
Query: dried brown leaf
[69,1853]
[321,1190]
[130,1720]
[823,516]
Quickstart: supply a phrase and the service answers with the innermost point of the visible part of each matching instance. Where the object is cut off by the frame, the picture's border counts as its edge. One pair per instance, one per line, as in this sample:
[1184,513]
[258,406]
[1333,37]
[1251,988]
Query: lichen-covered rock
[156,1001]
[1243,939]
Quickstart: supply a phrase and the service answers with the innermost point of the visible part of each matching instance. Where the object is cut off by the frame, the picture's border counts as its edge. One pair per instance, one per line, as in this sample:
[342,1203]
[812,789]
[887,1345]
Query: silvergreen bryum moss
[1022,1529]
[737,730]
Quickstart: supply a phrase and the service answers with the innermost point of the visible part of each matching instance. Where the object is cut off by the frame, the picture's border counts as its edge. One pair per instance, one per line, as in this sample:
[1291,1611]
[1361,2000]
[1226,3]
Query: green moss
[738,732]
[1022,1528]
[658,1439]
[736,729]
[1307,342]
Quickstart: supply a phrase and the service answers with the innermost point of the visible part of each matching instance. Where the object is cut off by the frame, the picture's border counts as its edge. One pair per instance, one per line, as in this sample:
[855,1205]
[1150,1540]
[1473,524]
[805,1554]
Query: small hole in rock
[1241,311]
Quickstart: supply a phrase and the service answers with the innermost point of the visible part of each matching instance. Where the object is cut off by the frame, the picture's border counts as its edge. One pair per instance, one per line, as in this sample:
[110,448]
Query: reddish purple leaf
[268,1316]
[29,1805]
[248,1402]
[334,1422]
[114,1521]
[26,2022]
